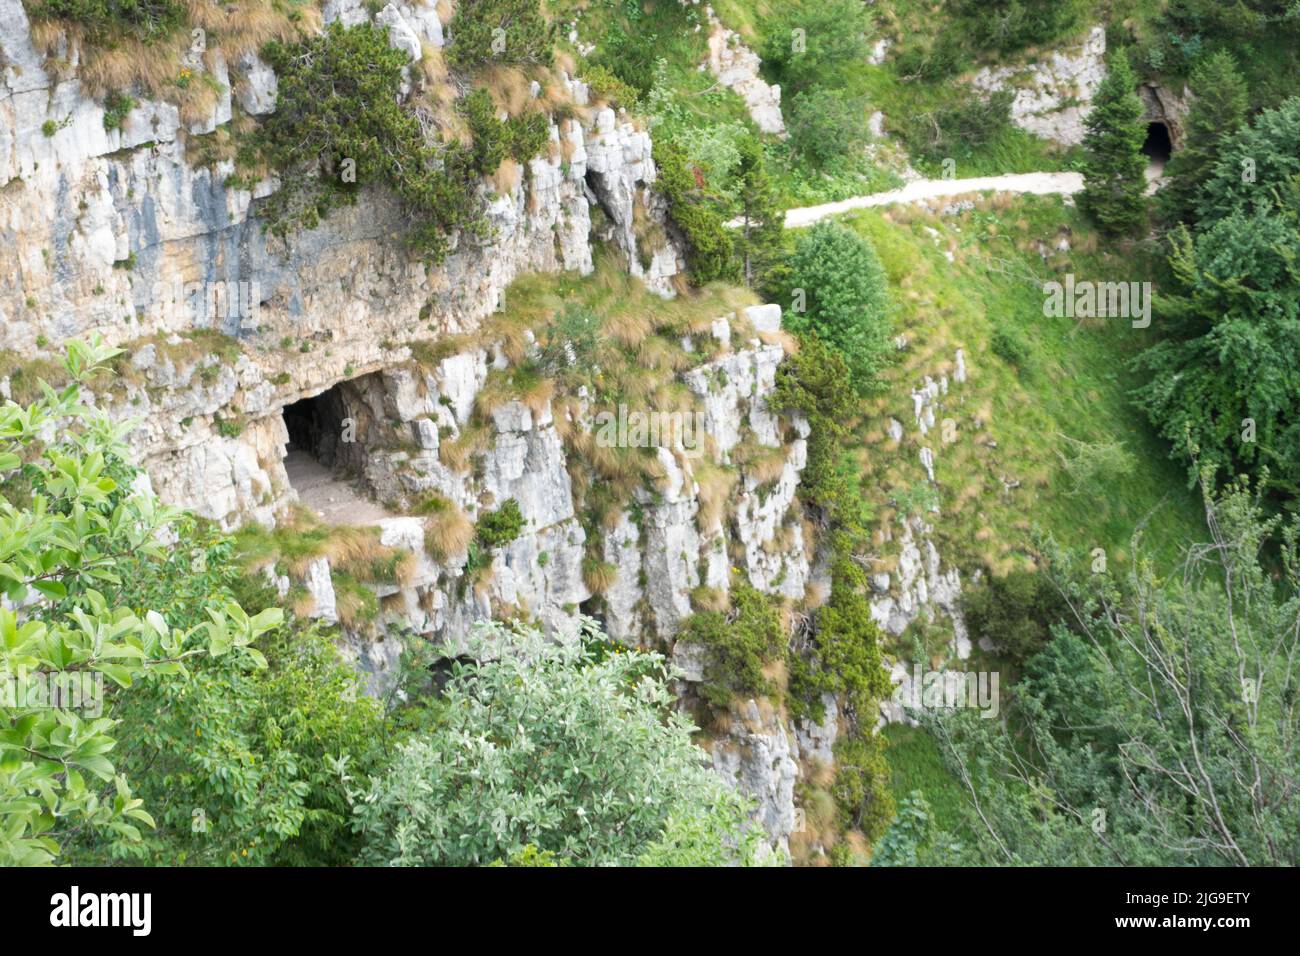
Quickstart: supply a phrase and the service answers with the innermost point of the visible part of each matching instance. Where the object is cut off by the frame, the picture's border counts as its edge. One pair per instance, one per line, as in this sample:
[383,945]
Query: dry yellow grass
[766,464]
[599,576]
[457,453]
[507,177]
[716,484]
[710,599]
[155,69]
[447,531]
[509,86]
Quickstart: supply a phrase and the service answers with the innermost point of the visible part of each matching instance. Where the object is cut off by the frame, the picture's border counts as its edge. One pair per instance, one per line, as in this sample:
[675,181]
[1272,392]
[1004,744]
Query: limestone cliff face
[127,233]
[119,233]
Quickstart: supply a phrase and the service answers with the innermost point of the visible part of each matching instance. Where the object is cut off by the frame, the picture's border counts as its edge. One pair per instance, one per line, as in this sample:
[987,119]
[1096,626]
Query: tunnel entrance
[1158,144]
[315,427]
[326,454]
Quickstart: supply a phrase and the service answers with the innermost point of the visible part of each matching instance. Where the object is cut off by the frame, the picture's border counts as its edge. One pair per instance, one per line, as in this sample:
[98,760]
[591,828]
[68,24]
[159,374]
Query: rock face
[736,67]
[1163,105]
[126,234]
[1052,95]
[920,586]
[758,758]
[118,233]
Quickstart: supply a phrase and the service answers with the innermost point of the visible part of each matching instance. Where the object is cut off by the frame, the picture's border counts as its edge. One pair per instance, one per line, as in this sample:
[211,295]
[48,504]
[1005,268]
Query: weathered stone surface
[1052,95]
[757,757]
[736,66]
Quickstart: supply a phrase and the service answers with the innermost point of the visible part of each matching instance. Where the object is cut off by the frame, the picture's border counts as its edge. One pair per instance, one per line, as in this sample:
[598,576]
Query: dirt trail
[331,498]
[1065,184]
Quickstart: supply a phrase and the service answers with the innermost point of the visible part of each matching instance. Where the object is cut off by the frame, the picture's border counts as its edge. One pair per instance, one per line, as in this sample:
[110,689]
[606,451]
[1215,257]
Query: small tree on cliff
[1113,172]
[762,221]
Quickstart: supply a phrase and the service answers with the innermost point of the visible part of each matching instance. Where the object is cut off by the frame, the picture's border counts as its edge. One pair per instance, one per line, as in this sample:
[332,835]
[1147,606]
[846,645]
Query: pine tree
[1217,112]
[1114,170]
[762,221]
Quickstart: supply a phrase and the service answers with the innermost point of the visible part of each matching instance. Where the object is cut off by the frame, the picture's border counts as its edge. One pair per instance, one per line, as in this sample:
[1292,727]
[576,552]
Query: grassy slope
[1076,382]
[909,23]
[916,764]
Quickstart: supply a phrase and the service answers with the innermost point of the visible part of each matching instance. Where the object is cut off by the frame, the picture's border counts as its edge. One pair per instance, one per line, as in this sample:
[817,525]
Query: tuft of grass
[447,529]
[598,575]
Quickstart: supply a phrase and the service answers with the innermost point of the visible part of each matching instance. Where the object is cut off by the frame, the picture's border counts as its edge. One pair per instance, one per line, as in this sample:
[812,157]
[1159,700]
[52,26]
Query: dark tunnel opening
[1158,144]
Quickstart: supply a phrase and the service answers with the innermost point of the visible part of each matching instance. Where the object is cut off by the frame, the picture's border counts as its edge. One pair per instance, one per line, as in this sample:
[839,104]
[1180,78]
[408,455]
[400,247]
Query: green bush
[521,137]
[146,19]
[844,657]
[958,129]
[116,107]
[834,43]
[1220,385]
[559,746]
[338,127]
[815,382]
[710,247]
[604,83]
[1007,345]
[1015,612]
[498,31]
[738,644]
[500,527]
[825,124]
[1010,25]
[836,277]
[863,797]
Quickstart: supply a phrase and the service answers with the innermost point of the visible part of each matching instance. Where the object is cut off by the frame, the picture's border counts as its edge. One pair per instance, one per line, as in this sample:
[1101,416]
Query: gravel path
[1038,183]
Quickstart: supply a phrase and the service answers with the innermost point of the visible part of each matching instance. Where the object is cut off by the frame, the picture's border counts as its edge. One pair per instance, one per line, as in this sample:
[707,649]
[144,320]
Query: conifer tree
[1217,112]
[761,218]
[1114,170]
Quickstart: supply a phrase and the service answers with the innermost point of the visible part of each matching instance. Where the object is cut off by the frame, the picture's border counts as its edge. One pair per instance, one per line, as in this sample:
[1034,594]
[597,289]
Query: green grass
[1075,381]
[916,764]
[909,101]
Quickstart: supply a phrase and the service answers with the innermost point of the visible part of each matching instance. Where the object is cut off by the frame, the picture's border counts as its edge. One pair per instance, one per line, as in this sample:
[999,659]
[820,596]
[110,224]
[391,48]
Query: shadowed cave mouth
[327,434]
[315,426]
[1158,145]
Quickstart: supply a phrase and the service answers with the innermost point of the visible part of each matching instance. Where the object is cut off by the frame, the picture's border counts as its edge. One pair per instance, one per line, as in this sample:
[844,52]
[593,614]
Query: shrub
[842,285]
[834,35]
[862,794]
[1016,612]
[560,746]
[498,31]
[844,656]
[957,129]
[738,645]
[815,382]
[500,527]
[146,19]
[337,113]
[710,249]
[116,107]
[1010,347]
[1010,25]
[604,84]
[827,124]
[89,585]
